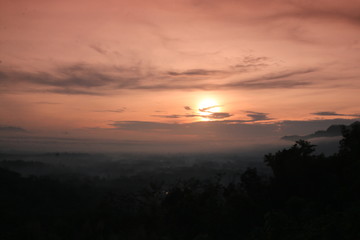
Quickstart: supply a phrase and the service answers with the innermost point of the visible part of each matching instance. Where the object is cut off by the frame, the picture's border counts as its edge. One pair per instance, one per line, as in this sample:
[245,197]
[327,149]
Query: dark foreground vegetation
[308,196]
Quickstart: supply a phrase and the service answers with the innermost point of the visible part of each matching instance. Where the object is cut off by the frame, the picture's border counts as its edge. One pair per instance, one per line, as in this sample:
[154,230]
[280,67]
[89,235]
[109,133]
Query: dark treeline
[308,196]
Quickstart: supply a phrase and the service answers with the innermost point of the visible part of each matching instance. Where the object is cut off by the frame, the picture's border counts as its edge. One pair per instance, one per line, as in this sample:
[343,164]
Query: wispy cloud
[273,10]
[347,12]
[285,79]
[11,129]
[252,63]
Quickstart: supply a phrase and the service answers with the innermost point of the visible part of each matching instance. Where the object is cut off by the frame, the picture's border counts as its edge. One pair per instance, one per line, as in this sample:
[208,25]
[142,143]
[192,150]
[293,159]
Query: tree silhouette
[291,163]
[350,144]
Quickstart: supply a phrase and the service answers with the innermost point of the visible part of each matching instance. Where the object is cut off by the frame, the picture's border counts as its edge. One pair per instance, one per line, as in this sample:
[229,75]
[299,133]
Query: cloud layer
[84,79]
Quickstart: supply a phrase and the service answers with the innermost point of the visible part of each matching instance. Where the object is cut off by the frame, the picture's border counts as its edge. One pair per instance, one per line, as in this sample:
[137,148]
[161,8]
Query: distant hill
[332,131]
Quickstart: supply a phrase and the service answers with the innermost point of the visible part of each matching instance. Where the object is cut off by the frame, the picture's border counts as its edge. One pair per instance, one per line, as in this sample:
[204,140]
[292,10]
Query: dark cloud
[142,125]
[49,103]
[327,114]
[275,80]
[76,78]
[176,116]
[77,75]
[195,72]
[171,86]
[169,116]
[11,129]
[254,60]
[119,110]
[3,76]
[218,115]
[251,63]
[47,79]
[69,91]
[334,114]
[257,116]
[99,49]
[82,75]
[207,113]
[290,74]
[267,84]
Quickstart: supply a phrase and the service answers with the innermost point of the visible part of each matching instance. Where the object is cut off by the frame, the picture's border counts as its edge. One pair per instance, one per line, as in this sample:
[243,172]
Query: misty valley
[293,193]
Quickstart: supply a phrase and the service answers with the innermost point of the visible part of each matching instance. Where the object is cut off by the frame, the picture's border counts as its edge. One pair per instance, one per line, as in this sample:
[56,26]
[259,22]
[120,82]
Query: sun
[208,106]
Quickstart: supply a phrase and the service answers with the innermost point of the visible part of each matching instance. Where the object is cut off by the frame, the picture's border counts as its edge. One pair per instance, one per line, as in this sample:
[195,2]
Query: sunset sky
[181,75]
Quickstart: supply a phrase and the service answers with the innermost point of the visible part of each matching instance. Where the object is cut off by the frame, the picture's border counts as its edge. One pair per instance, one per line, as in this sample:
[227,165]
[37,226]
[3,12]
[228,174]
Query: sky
[181,75]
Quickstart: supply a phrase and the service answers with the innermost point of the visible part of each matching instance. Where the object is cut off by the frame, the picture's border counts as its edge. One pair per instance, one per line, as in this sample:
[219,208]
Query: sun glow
[207,107]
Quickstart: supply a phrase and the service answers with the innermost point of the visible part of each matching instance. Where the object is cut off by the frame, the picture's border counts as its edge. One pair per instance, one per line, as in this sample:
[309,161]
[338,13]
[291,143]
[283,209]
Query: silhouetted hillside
[332,131]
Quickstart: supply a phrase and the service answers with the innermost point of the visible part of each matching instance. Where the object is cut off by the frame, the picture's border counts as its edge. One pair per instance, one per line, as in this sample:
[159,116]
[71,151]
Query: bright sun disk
[208,106]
